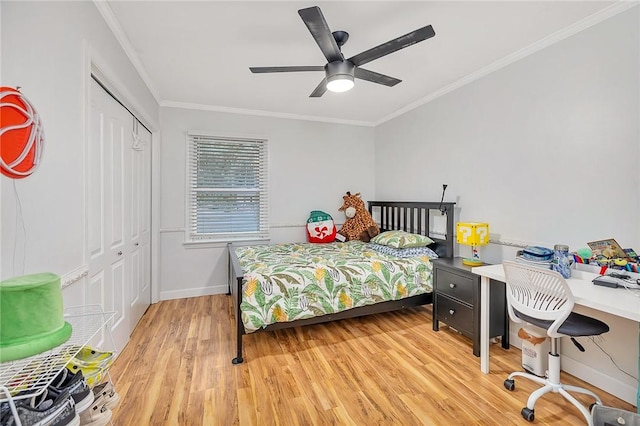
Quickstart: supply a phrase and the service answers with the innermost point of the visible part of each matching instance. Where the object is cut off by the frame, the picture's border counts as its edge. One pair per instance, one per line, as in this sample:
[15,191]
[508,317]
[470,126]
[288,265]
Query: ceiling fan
[340,72]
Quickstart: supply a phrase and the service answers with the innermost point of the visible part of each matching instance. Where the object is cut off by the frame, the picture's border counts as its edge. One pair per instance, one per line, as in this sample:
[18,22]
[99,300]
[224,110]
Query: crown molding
[114,25]
[107,14]
[242,111]
[551,39]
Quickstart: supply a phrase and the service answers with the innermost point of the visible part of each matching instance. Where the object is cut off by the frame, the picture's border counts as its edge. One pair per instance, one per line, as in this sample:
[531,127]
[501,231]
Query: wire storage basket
[30,376]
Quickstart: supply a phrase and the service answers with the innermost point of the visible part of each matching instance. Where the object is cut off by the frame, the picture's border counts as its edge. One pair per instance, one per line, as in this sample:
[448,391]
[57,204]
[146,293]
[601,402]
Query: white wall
[311,166]
[45,47]
[546,151]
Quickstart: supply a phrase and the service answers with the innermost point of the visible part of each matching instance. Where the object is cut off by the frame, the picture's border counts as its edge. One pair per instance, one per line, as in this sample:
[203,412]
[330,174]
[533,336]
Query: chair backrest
[538,293]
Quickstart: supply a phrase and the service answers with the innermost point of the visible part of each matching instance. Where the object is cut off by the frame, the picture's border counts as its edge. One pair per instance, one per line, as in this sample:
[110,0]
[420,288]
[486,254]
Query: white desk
[585,293]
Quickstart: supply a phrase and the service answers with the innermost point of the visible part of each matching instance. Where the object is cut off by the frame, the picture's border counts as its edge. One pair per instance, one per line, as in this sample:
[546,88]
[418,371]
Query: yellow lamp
[472,234]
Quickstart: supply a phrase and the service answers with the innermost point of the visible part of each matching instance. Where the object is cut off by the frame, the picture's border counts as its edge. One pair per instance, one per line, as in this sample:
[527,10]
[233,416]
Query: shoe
[48,408]
[77,387]
[90,357]
[18,398]
[92,375]
[96,416]
[105,399]
[105,394]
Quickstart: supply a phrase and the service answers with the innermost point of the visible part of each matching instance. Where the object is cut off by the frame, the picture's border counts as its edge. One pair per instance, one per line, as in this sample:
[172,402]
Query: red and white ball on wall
[21,134]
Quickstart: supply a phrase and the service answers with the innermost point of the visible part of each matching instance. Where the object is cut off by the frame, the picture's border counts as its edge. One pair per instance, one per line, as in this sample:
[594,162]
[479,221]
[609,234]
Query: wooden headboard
[414,217]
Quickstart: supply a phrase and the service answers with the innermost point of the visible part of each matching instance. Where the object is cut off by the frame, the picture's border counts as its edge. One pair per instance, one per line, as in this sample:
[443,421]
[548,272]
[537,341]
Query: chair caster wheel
[527,414]
[509,384]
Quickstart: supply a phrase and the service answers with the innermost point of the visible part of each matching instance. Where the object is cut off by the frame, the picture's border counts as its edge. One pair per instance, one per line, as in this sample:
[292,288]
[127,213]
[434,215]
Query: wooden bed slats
[414,217]
[404,218]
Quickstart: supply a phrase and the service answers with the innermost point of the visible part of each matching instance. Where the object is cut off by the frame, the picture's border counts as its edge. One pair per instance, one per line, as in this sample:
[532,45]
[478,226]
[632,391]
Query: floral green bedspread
[287,282]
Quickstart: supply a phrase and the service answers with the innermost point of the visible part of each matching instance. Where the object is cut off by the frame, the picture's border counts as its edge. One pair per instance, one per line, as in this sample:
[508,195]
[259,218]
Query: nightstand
[456,302]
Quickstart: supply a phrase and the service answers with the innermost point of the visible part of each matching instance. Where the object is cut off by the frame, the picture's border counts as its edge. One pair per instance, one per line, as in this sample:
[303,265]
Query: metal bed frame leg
[238,359]
[230,274]
[239,326]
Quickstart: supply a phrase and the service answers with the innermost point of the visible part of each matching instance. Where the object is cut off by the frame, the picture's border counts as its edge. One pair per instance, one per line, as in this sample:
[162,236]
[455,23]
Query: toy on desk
[608,248]
[584,254]
[631,254]
[620,262]
[609,252]
[630,262]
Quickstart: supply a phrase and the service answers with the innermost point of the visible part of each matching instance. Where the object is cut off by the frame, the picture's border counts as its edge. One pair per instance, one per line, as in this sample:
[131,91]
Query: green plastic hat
[31,316]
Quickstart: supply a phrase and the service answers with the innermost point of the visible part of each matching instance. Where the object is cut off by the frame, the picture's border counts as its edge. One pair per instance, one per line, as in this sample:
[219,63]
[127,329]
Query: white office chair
[543,298]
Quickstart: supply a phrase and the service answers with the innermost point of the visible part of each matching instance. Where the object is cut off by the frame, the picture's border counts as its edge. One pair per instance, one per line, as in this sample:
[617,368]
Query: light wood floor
[384,369]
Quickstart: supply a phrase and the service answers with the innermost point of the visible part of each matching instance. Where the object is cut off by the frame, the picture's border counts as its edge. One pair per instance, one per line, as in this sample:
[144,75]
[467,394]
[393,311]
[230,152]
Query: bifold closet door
[118,200]
[140,289]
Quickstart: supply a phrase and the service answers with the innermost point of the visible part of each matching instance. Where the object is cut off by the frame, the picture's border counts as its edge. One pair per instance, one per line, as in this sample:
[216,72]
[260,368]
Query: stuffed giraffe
[359,224]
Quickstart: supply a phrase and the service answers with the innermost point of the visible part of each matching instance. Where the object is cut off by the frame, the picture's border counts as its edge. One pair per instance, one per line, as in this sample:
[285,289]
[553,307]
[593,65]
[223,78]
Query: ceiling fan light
[340,83]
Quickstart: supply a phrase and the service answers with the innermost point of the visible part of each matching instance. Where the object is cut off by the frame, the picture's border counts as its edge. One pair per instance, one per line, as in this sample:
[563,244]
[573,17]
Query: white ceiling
[198,53]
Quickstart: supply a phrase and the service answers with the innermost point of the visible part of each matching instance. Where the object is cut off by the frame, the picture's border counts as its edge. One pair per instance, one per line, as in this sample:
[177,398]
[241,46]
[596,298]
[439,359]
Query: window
[227,188]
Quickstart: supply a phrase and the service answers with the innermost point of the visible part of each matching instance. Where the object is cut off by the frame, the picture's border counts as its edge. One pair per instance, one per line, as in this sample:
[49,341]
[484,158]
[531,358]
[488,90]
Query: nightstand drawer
[454,285]
[456,301]
[455,314]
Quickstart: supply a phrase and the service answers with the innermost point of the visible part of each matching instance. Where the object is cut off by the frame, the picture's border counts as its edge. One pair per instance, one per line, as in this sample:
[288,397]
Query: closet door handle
[120,253]
[136,244]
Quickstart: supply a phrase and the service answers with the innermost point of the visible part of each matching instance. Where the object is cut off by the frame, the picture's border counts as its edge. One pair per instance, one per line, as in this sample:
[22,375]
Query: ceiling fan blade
[393,45]
[258,70]
[319,91]
[317,25]
[375,77]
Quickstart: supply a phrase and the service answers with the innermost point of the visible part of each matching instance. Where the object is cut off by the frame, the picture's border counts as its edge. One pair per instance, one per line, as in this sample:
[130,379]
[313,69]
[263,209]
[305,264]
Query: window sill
[195,244]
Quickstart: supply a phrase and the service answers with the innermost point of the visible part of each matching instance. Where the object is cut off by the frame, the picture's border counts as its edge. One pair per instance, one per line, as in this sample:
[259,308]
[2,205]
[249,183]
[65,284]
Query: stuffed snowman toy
[320,227]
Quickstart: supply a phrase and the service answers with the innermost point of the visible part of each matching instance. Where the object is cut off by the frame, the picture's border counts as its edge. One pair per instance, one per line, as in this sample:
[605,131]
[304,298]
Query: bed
[284,260]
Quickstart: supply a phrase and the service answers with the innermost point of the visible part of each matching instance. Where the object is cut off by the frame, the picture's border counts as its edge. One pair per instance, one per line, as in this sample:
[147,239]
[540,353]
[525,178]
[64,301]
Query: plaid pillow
[404,252]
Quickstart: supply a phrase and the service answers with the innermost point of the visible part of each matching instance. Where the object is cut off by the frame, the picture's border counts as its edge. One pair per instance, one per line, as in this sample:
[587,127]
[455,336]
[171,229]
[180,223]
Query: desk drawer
[454,285]
[455,314]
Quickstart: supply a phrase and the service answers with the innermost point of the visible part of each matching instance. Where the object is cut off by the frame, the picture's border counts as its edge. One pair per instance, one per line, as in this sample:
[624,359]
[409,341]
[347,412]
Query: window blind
[227,182]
